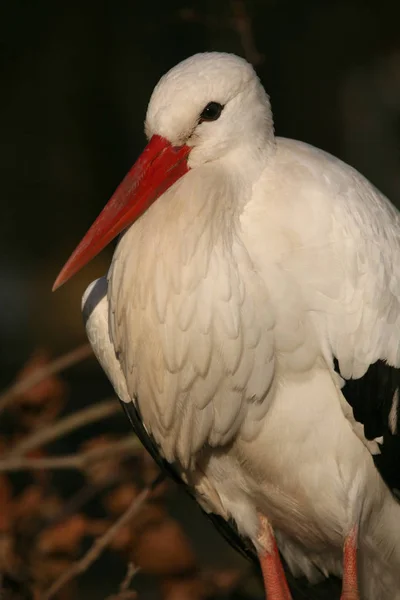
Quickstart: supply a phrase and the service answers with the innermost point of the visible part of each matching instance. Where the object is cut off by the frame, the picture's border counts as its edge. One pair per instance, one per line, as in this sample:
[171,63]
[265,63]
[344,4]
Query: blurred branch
[130,574]
[124,593]
[59,364]
[99,546]
[99,411]
[244,28]
[80,460]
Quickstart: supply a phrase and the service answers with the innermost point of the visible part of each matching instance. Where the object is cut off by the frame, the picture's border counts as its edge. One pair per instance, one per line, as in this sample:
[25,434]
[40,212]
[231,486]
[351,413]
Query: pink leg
[275,583]
[350,579]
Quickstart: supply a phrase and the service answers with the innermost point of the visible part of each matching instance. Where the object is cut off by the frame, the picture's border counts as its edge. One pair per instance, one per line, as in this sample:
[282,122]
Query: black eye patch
[211,112]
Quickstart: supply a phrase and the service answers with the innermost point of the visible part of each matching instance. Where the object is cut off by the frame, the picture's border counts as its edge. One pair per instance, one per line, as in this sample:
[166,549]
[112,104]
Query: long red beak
[158,167]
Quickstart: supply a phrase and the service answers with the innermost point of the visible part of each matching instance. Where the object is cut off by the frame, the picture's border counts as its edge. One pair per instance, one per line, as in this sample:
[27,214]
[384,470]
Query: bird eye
[212,112]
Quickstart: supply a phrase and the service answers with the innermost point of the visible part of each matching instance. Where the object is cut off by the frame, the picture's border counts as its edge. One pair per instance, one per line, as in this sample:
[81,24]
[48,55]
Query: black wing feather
[374,399]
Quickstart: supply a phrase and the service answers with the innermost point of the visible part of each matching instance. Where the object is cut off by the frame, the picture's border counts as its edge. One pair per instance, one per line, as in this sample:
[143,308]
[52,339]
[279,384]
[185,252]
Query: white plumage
[226,304]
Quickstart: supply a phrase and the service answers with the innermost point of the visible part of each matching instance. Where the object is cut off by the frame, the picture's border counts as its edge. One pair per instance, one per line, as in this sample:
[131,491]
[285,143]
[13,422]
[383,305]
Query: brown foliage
[41,533]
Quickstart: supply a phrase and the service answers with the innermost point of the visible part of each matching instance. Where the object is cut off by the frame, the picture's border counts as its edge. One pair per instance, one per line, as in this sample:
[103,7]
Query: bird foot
[276,586]
[350,579]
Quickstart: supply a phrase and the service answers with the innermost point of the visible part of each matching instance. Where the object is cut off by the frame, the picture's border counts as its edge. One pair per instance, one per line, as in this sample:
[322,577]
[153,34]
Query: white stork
[251,316]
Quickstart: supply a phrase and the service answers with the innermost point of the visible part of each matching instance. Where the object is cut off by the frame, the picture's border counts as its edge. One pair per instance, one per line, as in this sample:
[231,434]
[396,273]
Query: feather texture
[194,356]
[95,313]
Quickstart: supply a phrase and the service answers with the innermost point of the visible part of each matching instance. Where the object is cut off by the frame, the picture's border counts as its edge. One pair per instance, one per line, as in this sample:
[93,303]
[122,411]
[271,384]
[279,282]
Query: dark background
[75,81]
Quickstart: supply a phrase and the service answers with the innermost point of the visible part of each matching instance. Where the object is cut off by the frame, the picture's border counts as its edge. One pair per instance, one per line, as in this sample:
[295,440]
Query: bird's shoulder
[316,172]
[363,322]
[337,239]
[328,229]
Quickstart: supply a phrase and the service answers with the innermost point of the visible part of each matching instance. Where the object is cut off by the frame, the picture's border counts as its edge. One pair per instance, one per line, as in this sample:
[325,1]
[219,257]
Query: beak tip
[60,280]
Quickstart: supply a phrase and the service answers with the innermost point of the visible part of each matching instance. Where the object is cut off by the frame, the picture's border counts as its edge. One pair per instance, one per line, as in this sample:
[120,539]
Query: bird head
[205,109]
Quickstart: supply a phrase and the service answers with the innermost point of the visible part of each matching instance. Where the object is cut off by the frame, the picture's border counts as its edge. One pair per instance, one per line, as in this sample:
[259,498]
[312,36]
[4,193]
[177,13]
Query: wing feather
[95,315]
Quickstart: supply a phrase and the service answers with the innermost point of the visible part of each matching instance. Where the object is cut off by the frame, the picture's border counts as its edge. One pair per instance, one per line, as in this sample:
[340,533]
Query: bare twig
[130,574]
[98,411]
[98,547]
[57,365]
[78,460]
[244,28]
